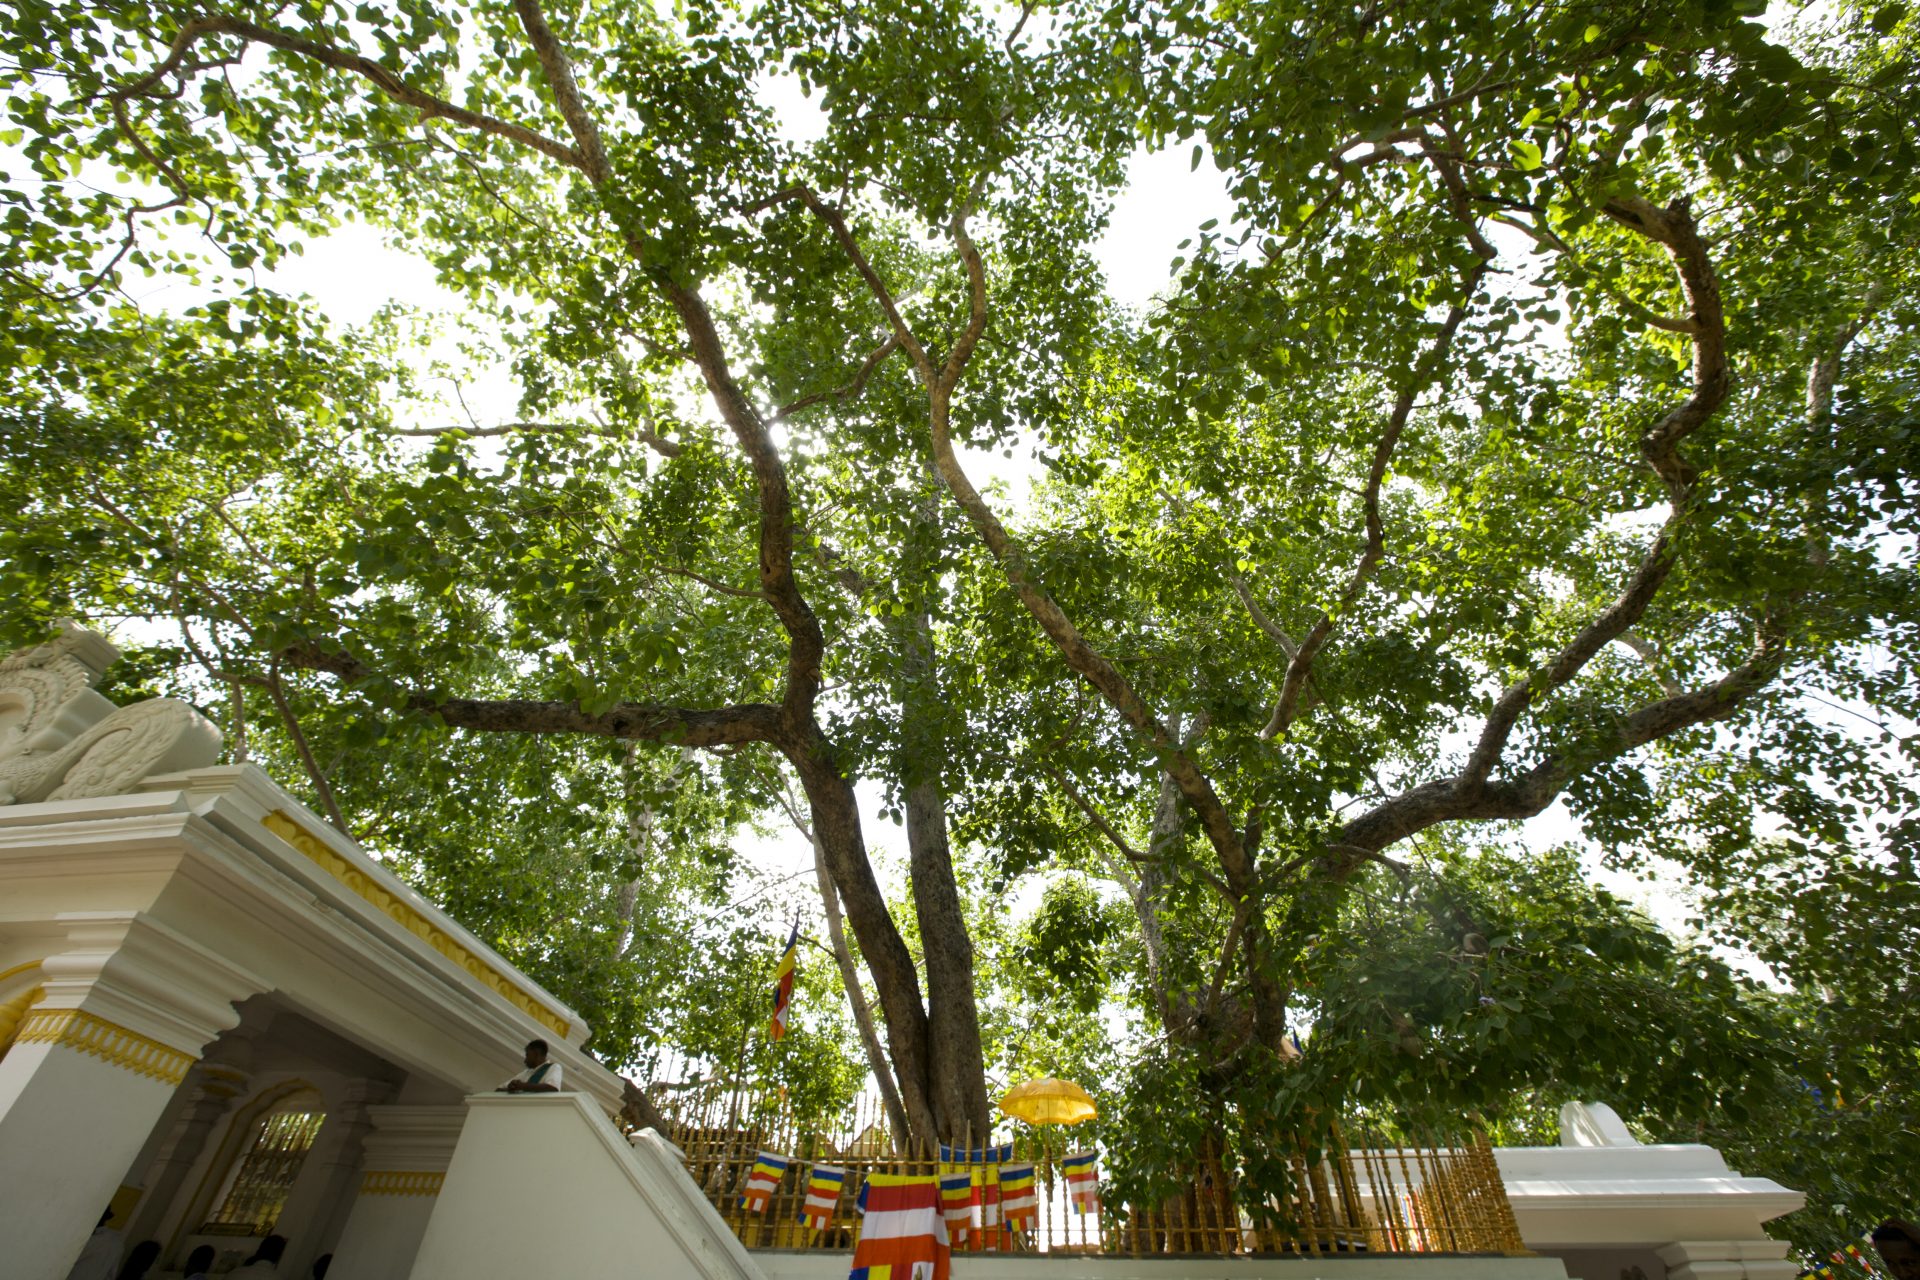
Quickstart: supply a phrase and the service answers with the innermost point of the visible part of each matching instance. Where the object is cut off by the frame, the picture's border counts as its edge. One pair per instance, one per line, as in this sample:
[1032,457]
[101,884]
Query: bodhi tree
[1487,460]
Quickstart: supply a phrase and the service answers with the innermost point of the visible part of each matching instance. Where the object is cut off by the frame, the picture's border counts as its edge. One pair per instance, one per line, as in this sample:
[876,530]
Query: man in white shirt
[540,1076]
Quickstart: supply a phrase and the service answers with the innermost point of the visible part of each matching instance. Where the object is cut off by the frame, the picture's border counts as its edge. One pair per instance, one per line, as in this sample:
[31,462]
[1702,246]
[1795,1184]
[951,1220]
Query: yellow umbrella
[1049,1101]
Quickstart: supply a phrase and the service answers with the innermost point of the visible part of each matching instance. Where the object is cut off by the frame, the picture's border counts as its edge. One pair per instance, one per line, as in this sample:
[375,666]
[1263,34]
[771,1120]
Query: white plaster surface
[1645,1196]
[544,1185]
[382,1237]
[69,1126]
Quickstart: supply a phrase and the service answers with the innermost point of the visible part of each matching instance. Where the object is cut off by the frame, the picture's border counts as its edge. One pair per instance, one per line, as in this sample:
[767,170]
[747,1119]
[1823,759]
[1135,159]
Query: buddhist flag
[768,1169]
[904,1237]
[783,985]
[987,1183]
[1083,1180]
[823,1195]
[1017,1200]
[958,1204]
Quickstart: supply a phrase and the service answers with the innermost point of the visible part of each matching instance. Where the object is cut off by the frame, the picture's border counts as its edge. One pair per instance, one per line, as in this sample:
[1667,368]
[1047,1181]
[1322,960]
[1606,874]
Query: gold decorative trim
[410,918]
[18,969]
[400,1182]
[82,1032]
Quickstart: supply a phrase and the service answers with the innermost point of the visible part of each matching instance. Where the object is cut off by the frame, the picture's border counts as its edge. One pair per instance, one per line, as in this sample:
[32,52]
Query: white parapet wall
[1608,1206]
[544,1185]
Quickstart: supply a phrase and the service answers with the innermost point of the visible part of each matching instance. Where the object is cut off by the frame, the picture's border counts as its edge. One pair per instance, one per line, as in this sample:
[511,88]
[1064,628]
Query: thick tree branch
[1526,794]
[1659,446]
[558,69]
[646,722]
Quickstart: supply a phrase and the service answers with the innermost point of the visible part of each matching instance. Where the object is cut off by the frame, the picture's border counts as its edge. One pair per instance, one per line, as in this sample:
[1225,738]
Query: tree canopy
[1535,435]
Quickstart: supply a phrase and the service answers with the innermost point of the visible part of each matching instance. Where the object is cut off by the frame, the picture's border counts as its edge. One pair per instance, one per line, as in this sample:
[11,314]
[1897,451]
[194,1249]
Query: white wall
[544,1185]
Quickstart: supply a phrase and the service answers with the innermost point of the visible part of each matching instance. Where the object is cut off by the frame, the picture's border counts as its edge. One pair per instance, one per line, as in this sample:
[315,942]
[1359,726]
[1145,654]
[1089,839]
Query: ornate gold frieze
[410,917]
[84,1033]
[400,1182]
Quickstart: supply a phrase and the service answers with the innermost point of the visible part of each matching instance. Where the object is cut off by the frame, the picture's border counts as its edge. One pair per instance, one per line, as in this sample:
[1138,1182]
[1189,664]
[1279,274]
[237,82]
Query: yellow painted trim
[401,1182]
[14,1011]
[410,918]
[84,1033]
[18,969]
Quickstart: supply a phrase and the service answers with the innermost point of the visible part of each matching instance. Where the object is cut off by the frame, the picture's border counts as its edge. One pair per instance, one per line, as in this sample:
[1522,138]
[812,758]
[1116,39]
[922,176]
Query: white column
[1728,1260]
[127,1010]
[405,1162]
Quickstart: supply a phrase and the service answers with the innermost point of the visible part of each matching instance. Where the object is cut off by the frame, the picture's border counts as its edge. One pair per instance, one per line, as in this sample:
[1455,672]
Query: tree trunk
[856,994]
[958,1081]
[836,825]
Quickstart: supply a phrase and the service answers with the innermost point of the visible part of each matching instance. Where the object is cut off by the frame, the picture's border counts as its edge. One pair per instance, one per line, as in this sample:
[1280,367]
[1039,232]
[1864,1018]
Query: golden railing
[1372,1194]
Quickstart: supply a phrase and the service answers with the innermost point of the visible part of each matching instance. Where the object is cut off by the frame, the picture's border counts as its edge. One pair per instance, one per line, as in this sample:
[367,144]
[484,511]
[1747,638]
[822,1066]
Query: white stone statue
[60,740]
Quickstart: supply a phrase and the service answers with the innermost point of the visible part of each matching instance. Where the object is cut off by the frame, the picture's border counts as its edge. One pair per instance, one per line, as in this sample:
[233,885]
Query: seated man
[540,1076]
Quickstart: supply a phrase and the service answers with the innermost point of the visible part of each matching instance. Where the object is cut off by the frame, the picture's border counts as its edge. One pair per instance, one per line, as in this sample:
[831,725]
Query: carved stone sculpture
[61,740]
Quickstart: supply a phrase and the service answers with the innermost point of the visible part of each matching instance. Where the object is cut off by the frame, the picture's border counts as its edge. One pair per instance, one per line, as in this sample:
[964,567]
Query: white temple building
[223,1018]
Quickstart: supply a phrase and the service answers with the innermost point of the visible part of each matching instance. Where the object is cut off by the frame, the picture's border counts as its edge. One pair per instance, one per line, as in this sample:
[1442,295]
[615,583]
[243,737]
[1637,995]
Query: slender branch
[384,79]
[1096,817]
[837,224]
[646,436]
[1649,653]
[1300,662]
[322,788]
[851,390]
[976,289]
[712,585]
[1288,645]
[849,976]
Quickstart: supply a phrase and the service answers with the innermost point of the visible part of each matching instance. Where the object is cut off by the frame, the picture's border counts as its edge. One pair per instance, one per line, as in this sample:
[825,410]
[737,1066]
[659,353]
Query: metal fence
[1369,1194]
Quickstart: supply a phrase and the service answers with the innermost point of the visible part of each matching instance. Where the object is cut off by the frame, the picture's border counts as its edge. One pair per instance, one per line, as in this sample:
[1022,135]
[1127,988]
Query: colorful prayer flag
[904,1237]
[993,1233]
[823,1195]
[1083,1180]
[978,1155]
[958,1205]
[783,985]
[1017,1199]
[762,1180]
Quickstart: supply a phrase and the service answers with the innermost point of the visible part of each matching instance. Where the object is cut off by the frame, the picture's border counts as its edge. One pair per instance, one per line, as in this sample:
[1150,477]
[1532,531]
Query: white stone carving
[60,740]
[1594,1124]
